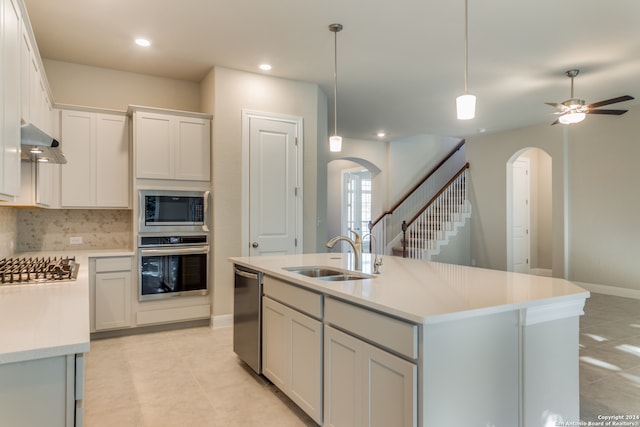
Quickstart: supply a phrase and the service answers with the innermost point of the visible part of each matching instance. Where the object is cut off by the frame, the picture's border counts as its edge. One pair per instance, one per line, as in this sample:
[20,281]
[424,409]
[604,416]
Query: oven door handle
[174,251]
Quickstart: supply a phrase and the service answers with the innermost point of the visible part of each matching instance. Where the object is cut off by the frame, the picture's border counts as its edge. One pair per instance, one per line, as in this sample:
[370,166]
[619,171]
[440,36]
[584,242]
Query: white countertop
[48,320]
[426,292]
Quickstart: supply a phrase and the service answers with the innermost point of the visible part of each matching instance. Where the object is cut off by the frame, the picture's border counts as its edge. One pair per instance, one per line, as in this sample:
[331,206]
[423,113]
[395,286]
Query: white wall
[602,203]
[410,159]
[105,88]
[605,201]
[225,93]
[487,156]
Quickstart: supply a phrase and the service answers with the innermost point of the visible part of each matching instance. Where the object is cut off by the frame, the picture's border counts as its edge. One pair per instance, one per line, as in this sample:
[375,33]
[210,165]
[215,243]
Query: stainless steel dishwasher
[247,315]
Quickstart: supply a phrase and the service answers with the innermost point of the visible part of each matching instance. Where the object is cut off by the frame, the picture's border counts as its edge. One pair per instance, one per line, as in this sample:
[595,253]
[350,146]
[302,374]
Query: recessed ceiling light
[265,67]
[381,134]
[143,42]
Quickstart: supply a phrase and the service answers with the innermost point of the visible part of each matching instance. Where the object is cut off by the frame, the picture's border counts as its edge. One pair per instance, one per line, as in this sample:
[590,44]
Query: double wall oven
[173,244]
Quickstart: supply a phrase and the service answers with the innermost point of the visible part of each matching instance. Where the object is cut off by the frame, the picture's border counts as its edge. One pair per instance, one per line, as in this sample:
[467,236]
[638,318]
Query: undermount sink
[326,273]
[342,277]
[314,271]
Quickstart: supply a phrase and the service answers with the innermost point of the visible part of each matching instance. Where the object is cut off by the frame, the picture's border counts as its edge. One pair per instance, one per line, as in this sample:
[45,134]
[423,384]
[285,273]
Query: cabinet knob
[254,245]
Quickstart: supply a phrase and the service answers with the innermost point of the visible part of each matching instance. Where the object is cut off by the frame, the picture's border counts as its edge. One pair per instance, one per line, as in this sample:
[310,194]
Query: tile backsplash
[8,231]
[51,229]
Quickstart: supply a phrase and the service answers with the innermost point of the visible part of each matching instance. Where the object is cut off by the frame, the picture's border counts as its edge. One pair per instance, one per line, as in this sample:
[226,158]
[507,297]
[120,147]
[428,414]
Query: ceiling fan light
[570,118]
[335,144]
[466,106]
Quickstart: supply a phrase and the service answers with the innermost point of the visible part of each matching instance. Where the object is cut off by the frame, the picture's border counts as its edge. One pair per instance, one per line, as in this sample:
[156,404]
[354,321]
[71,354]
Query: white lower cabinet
[111,293]
[292,355]
[365,385]
[43,392]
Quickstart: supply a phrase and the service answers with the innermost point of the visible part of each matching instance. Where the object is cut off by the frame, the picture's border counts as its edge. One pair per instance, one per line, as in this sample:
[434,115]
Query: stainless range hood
[38,146]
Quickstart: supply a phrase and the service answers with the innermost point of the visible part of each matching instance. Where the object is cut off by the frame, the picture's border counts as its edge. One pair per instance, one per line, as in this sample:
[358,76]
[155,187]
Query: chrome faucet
[356,244]
[377,261]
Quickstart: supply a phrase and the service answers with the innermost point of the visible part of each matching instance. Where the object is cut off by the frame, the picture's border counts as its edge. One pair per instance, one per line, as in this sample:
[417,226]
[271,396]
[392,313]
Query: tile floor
[192,378]
[610,357]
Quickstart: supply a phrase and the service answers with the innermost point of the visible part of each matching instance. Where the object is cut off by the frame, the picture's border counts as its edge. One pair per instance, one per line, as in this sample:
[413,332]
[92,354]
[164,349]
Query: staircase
[430,215]
[437,223]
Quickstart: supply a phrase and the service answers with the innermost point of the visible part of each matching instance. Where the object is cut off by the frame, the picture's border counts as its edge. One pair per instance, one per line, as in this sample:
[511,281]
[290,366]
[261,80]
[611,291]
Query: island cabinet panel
[111,292]
[292,355]
[473,364]
[365,385]
[43,392]
[171,146]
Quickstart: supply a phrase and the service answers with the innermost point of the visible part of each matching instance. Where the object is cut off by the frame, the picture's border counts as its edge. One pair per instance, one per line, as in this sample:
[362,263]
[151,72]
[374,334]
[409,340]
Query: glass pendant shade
[466,106]
[570,118]
[335,143]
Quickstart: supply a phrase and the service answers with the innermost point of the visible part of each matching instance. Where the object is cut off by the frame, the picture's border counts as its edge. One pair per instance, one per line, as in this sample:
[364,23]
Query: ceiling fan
[575,110]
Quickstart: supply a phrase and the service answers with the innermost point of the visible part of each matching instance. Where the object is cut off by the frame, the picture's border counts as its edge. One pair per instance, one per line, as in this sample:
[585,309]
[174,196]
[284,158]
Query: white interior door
[273,186]
[521,226]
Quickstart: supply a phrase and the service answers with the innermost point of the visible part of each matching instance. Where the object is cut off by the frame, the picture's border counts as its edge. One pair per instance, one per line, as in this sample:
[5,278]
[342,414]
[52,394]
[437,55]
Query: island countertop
[428,292]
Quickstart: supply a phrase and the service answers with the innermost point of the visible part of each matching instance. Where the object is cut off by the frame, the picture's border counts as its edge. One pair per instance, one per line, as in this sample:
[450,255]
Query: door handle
[254,245]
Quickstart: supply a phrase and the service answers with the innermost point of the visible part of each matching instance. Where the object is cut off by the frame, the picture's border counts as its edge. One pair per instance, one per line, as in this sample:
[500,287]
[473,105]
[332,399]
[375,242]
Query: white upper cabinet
[10,31]
[97,172]
[172,145]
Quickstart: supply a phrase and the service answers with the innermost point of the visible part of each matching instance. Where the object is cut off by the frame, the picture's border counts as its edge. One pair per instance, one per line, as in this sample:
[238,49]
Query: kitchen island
[425,344]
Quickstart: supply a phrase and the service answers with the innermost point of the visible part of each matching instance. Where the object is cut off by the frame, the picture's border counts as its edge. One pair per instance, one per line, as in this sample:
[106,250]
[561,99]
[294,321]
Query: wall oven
[172,211]
[172,266]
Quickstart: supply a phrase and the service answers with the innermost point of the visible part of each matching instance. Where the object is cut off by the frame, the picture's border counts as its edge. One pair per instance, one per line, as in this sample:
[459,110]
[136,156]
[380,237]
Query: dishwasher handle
[247,274]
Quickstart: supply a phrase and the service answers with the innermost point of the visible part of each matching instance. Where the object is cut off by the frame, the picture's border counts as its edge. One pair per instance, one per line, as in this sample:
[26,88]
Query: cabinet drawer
[113,264]
[396,335]
[294,296]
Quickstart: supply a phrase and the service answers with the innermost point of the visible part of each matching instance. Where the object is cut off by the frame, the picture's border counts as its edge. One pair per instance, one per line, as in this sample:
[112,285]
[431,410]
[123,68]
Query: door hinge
[527,260]
[295,242]
[295,191]
[296,141]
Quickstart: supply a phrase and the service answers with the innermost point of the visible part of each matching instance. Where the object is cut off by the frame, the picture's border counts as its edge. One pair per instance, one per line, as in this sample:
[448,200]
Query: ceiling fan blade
[556,122]
[613,112]
[555,104]
[610,101]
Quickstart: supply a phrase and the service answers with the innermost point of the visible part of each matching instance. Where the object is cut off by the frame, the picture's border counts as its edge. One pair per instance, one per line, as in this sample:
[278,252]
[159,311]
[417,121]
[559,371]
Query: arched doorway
[529,212]
[353,196]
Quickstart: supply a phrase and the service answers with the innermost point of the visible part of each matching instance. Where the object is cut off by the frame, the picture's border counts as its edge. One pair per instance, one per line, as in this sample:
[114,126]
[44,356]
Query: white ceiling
[400,63]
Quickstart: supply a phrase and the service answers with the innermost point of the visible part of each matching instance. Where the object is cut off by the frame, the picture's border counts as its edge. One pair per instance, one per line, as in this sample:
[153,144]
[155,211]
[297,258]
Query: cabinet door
[77,180]
[154,145]
[9,98]
[390,390]
[305,388]
[275,343]
[112,166]
[342,379]
[113,300]
[193,149]
[292,355]
[25,81]
[365,385]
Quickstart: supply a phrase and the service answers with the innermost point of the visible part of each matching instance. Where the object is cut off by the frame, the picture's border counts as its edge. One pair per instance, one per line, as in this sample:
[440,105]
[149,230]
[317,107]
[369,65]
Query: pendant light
[466,104]
[335,142]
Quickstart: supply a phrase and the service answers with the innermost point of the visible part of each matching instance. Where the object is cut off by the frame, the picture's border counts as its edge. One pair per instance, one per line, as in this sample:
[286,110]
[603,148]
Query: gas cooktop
[16,271]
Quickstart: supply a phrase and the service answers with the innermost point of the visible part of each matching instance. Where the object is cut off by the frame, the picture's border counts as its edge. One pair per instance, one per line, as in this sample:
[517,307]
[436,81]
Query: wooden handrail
[415,187]
[407,224]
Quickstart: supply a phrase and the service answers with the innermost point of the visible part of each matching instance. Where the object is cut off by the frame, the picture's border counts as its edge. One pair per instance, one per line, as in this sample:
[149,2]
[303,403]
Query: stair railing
[430,223]
[387,228]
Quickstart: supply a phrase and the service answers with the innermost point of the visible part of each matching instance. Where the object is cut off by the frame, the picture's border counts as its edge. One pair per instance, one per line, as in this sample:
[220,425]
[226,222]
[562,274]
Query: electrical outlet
[75,240]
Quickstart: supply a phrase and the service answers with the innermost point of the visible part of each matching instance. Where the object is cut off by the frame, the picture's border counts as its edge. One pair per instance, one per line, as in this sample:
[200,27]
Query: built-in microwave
[173,211]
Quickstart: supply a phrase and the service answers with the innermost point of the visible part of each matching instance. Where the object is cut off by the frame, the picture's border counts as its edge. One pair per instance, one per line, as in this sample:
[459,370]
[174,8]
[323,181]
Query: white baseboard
[546,272]
[610,290]
[222,321]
